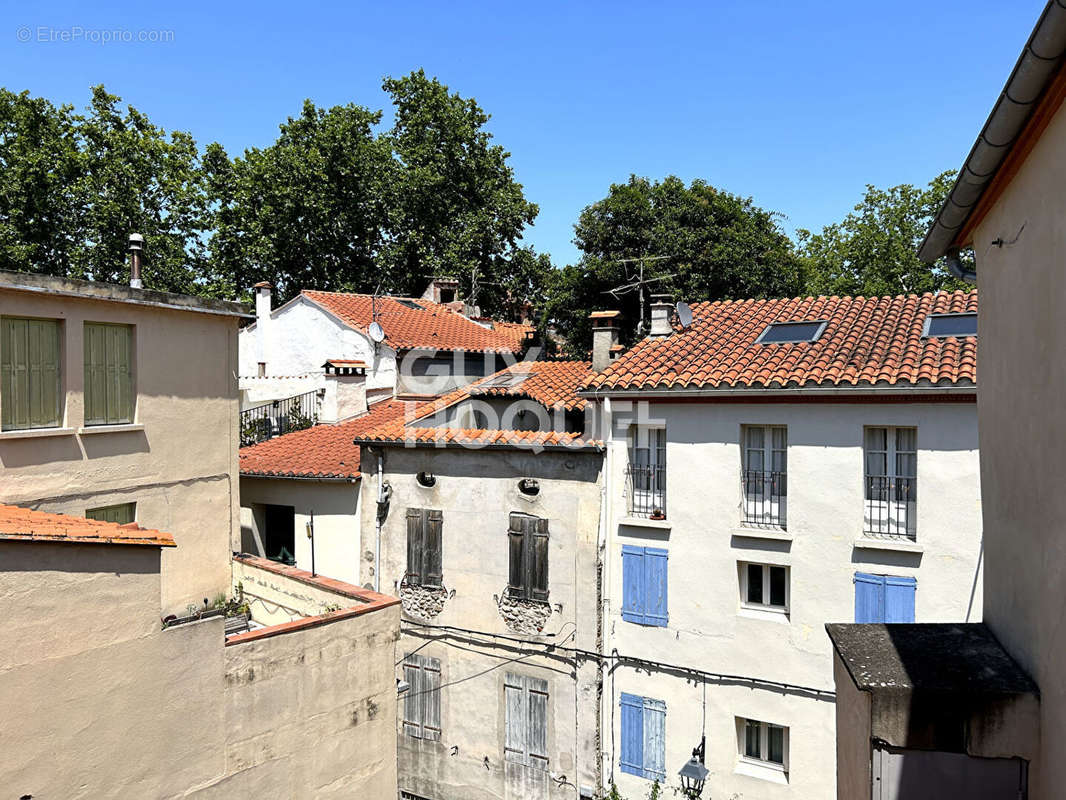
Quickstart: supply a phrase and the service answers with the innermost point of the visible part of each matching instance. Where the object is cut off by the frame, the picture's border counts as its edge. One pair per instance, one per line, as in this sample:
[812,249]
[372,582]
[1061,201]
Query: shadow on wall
[15,453]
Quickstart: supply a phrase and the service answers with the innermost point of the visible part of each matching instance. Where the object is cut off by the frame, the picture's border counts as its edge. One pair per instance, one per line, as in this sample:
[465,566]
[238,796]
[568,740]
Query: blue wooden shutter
[632,758]
[633,583]
[655,589]
[869,598]
[899,599]
[654,739]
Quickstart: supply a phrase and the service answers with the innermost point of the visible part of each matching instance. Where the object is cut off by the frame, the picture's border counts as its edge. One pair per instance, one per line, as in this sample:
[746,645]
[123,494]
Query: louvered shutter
[633,584]
[516,552]
[29,362]
[537,691]
[415,520]
[654,739]
[632,725]
[655,587]
[869,598]
[431,549]
[414,699]
[538,534]
[899,599]
[13,378]
[517,719]
[95,375]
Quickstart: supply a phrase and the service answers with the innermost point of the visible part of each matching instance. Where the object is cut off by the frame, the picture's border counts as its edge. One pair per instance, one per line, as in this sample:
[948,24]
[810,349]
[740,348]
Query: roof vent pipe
[956,268]
[136,247]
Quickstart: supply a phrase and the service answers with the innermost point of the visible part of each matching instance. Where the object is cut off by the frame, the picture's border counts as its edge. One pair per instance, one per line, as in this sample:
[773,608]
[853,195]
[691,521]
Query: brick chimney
[262,324]
[442,290]
[604,338]
[661,307]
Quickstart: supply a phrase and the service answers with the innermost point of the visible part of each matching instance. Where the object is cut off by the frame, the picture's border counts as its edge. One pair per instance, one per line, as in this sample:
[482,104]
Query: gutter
[475,445]
[275,477]
[917,390]
[1036,67]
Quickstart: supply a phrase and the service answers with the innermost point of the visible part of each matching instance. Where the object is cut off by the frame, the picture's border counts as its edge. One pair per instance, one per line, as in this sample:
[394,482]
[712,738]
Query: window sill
[894,545]
[765,614]
[128,427]
[36,433]
[762,770]
[645,522]
[777,534]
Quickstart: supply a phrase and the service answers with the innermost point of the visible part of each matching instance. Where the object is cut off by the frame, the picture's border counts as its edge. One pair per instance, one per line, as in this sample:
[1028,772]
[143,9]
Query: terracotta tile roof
[867,341]
[430,326]
[22,524]
[551,383]
[322,451]
[516,331]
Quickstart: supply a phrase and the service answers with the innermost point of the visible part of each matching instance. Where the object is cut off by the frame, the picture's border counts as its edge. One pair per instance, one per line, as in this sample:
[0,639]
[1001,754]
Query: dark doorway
[280,538]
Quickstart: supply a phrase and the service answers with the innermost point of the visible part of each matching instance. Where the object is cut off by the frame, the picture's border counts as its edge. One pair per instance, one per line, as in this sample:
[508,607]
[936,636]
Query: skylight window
[782,332]
[937,325]
[507,379]
[411,304]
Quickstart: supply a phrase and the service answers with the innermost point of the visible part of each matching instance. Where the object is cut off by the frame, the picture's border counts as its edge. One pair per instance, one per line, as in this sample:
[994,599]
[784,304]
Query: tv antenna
[638,282]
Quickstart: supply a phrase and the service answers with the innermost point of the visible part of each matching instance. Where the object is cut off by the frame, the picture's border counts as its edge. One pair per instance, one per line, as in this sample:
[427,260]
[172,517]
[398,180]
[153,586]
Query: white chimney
[345,392]
[136,246]
[660,315]
[262,324]
[604,338]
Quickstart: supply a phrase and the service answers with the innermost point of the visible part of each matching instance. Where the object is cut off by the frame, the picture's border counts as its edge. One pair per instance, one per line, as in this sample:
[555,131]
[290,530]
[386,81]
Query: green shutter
[108,374]
[29,373]
[122,514]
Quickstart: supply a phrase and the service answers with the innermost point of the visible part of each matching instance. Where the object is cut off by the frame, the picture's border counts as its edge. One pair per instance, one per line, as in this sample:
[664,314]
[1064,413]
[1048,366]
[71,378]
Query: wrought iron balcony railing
[647,490]
[891,506]
[765,497]
[276,417]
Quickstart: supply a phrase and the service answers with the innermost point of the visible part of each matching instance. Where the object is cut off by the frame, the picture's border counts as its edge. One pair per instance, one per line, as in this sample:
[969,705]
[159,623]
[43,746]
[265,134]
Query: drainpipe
[956,268]
[606,517]
[384,492]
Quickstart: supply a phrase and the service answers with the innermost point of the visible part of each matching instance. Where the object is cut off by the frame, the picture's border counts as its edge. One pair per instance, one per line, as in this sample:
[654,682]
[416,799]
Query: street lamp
[694,774]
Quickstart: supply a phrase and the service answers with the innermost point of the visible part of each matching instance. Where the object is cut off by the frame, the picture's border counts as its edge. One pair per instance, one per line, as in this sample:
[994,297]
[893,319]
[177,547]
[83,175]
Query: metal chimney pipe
[136,247]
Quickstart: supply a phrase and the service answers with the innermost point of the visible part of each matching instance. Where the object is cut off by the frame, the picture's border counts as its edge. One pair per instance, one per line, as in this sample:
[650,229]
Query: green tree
[874,250]
[693,242]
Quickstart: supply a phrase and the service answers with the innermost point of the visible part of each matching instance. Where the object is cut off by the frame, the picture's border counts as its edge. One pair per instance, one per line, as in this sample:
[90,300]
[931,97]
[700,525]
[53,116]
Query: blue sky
[798,105]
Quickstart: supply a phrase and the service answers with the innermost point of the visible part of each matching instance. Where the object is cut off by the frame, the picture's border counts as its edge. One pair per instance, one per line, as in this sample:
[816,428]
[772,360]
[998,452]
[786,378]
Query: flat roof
[110,292]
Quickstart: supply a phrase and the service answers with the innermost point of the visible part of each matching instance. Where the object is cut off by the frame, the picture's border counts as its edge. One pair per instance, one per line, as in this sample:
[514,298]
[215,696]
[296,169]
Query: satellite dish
[684,313]
[377,333]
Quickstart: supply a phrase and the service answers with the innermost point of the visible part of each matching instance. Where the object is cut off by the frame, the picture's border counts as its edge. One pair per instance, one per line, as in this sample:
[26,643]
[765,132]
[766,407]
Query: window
[280,539]
[763,743]
[122,514]
[108,374]
[891,481]
[421,702]
[527,542]
[783,332]
[765,464]
[425,529]
[884,598]
[526,701]
[644,585]
[950,325]
[643,737]
[410,304]
[30,395]
[764,586]
[647,472]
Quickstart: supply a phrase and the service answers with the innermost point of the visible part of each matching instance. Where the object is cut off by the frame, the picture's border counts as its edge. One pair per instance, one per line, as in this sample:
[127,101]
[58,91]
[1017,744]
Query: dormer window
[789,332]
[940,325]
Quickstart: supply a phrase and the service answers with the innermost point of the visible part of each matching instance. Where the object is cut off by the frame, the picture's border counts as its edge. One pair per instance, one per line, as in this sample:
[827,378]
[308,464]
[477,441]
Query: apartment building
[772,466]
[111,411]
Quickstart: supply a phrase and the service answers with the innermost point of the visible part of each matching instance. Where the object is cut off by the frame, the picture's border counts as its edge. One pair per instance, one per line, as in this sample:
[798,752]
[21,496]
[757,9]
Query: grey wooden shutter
[538,534]
[517,719]
[432,573]
[654,739]
[537,693]
[431,698]
[414,699]
[516,548]
[415,524]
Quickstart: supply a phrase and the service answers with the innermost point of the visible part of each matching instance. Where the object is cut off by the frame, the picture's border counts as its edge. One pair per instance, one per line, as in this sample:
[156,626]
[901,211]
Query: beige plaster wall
[852,735]
[709,630]
[1023,432]
[273,598]
[179,461]
[476,491]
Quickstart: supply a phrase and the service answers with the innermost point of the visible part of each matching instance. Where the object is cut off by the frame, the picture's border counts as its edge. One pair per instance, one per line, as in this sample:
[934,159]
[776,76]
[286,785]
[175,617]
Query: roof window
[504,380]
[937,325]
[782,332]
[410,304]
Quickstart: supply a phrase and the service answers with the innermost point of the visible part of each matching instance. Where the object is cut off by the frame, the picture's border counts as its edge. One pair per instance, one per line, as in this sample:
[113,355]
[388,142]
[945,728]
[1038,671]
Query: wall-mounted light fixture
[529,486]
[427,479]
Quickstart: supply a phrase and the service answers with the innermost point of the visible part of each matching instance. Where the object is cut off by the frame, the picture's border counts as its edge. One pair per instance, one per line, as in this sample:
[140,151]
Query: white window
[764,476]
[647,472]
[763,744]
[764,587]
[891,483]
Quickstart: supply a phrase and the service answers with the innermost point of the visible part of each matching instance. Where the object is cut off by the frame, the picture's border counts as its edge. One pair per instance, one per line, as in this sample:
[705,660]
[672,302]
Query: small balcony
[891,507]
[277,417]
[646,487]
[765,498]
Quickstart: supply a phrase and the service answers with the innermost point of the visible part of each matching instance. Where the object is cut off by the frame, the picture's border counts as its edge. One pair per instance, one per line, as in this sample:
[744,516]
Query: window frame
[128,382]
[776,518]
[821,323]
[420,548]
[101,513]
[927,327]
[890,528]
[767,571]
[57,325]
[422,699]
[762,760]
[528,557]
[654,497]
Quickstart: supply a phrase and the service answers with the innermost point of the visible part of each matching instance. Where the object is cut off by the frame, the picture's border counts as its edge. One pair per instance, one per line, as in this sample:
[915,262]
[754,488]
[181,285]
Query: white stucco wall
[708,630]
[336,512]
[1023,431]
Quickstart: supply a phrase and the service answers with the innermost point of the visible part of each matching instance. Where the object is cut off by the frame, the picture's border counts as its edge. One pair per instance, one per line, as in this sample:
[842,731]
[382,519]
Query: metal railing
[891,506]
[647,490]
[276,417]
[765,495]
